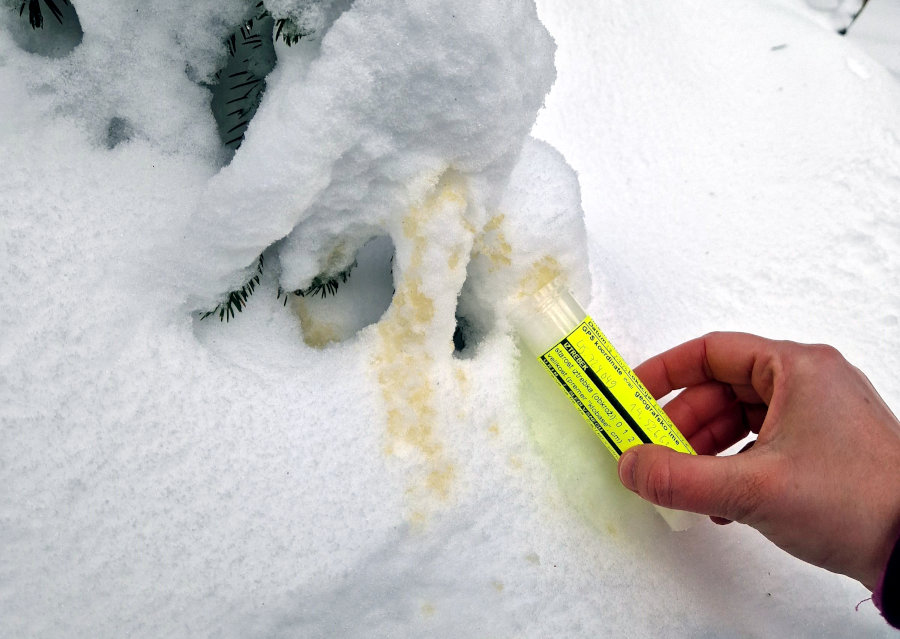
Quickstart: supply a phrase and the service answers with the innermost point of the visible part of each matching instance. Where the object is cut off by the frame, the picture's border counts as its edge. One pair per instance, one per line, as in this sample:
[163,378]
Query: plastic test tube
[603,390]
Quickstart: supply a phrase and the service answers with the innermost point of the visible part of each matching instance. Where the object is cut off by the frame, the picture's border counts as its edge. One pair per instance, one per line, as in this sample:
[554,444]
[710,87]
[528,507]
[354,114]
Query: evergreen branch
[253,40]
[289,32]
[236,141]
[261,11]
[56,11]
[322,284]
[237,299]
[278,295]
[36,15]
[326,285]
[853,19]
[279,26]
[252,83]
[240,84]
[285,28]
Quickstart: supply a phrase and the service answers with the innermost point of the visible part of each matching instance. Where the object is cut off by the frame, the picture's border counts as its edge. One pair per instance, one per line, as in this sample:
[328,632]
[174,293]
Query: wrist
[887,592]
[883,499]
[889,537]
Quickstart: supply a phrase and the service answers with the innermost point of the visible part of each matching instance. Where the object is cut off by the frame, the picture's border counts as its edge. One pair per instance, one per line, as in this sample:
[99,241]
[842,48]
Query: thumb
[723,487]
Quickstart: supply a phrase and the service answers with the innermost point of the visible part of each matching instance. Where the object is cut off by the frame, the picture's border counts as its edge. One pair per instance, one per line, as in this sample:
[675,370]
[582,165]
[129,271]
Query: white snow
[876,32]
[332,468]
[394,96]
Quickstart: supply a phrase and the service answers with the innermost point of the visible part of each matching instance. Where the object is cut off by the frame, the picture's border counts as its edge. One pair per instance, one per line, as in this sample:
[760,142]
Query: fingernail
[626,469]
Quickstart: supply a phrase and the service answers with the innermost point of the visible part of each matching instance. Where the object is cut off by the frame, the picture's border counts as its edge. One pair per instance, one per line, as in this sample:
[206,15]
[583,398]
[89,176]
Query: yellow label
[607,392]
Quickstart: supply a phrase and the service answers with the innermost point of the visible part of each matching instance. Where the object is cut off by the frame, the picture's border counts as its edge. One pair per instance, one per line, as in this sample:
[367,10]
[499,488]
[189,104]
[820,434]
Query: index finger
[740,359]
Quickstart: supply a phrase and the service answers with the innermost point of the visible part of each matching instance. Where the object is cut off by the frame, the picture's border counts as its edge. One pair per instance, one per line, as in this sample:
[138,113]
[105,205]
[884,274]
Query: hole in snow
[474,320]
[48,28]
[357,303]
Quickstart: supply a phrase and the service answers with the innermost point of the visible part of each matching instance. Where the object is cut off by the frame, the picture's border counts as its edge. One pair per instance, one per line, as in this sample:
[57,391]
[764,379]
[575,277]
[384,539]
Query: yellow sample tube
[598,382]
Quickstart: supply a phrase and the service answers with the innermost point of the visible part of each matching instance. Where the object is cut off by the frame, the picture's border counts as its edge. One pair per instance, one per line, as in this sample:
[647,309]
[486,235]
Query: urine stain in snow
[405,366]
[492,243]
[316,332]
[541,273]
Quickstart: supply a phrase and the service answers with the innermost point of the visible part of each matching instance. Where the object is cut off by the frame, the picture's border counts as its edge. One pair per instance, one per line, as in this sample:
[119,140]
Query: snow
[331,467]
[876,32]
[392,98]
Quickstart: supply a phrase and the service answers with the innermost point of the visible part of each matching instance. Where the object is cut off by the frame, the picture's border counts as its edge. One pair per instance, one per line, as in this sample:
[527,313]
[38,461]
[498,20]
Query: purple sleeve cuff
[887,596]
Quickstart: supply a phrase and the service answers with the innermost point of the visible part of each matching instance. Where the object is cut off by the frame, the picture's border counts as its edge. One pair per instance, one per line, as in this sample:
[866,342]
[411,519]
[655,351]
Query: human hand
[822,480]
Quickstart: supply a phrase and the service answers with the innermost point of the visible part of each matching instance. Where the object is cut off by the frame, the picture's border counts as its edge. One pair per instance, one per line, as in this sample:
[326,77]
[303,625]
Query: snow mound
[368,121]
[360,465]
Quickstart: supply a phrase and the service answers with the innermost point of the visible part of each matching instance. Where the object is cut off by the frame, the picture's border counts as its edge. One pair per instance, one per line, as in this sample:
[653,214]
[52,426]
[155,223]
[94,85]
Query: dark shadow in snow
[239,86]
[117,131]
[358,302]
[50,28]
[474,320]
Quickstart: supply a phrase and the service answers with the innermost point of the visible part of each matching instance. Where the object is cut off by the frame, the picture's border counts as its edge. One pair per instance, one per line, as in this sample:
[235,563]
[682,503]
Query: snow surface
[876,31]
[332,468]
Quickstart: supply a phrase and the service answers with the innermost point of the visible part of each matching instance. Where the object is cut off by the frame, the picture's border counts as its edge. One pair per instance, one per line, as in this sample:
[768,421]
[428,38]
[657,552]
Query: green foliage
[239,86]
[289,32]
[36,15]
[322,284]
[285,29]
[237,94]
[325,285]
[237,299]
[37,33]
